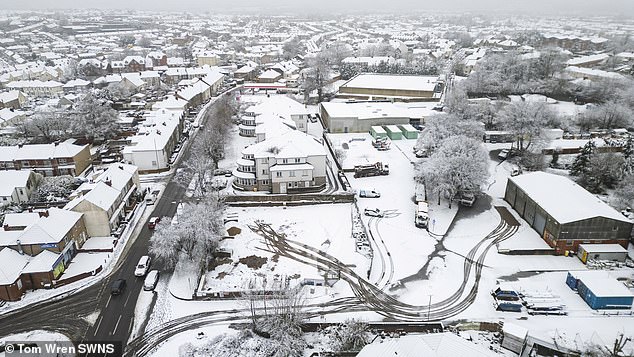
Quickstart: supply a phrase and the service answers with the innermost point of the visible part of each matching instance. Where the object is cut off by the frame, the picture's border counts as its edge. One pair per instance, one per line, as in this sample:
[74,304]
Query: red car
[151,224]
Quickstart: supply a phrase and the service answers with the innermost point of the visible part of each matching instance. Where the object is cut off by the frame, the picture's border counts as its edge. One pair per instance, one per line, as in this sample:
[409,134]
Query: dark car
[117,287]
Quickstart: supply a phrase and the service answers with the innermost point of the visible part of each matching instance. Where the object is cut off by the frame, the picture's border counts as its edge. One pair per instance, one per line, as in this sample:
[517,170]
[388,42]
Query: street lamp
[429,307]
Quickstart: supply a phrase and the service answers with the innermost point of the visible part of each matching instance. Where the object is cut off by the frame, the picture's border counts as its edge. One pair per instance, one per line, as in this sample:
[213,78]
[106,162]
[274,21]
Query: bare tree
[525,120]
[617,349]
[351,335]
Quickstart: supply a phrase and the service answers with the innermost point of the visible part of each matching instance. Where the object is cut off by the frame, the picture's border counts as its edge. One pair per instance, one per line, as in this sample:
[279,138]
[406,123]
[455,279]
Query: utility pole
[429,308]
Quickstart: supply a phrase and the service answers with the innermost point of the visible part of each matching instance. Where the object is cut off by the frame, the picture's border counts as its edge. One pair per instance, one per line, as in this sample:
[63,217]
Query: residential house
[60,158]
[13,99]
[11,117]
[106,199]
[17,186]
[269,76]
[152,147]
[134,64]
[207,58]
[76,85]
[38,88]
[155,59]
[36,248]
[288,163]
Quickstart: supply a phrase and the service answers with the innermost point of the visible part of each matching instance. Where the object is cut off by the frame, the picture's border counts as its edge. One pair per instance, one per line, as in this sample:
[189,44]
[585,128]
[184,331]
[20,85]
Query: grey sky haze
[555,7]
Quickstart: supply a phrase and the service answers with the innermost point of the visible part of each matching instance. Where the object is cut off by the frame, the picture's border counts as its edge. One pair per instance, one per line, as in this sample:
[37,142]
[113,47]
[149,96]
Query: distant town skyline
[622,8]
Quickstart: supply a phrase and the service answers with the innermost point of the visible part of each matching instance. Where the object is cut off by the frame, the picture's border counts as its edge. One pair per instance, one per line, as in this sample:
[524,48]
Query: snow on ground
[98,243]
[85,263]
[326,227]
[197,337]
[34,337]
[141,311]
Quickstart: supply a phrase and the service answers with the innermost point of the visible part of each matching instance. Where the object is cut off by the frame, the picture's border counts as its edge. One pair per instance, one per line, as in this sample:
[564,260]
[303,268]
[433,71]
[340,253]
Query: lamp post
[429,308]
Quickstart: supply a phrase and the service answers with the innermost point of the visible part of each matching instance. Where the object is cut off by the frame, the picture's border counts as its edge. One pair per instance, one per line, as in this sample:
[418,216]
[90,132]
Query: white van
[369,192]
[142,266]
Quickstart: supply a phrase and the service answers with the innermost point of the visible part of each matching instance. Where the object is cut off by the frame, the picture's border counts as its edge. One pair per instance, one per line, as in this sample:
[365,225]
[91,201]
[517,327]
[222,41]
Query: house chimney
[108,182]
[30,209]
[6,227]
[20,146]
[19,247]
[43,213]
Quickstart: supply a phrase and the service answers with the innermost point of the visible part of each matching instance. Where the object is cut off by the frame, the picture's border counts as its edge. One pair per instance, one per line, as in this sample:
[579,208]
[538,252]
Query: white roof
[585,59]
[12,179]
[603,248]
[514,330]
[594,72]
[11,265]
[20,219]
[291,167]
[270,74]
[49,229]
[9,96]
[382,81]
[444,344]
[563,199]
[42,262]
[365,110]
[303,145]
[39,151]
[602,284]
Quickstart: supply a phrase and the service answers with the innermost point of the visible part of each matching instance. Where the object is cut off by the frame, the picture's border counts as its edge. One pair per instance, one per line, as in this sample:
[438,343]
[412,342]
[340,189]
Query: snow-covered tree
[194,237]
[46,126]
[603,171]
[441,126]
[460,164]
[525,120]
[582,161]
[94,118]
[628,156]
[609,115]
[351,335]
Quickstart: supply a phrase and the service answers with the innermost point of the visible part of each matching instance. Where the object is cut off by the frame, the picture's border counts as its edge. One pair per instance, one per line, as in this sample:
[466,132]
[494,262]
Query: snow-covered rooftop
[602,284]
[430,345]
[563,199]
[394,82]
[11,265]
[603,248]
[365,110]
[12,179]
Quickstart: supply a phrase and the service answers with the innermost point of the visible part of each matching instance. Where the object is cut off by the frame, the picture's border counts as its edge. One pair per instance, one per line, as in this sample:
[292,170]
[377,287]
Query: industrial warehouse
[564,214]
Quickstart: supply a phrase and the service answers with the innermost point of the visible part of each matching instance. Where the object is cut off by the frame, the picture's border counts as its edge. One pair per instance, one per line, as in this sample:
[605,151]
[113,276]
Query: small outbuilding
[409,132]
[600,290]
[378,132]
[393,132]
[614,252]
[514,337]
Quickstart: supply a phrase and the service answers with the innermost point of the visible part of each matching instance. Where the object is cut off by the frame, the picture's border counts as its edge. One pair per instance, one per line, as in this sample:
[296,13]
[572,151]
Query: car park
[151,280]
[118,287]
[143,266]
[151,224]
[373,212]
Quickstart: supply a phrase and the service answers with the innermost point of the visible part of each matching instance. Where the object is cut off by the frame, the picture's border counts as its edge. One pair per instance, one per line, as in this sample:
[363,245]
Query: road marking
[116,325]
[128,298]
[98,324]
[109,297]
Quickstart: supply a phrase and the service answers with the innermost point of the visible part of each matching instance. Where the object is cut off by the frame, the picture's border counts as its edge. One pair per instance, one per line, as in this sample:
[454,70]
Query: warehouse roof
[394,82]
[563,199]
[602,284]
[603,248]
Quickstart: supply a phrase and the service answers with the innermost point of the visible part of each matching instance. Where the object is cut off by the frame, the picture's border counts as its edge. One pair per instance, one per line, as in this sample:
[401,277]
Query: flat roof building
[391,87]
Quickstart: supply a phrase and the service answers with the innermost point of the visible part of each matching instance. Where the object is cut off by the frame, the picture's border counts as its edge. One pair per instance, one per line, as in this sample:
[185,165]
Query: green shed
[409,132]
[378,132]
[393,132]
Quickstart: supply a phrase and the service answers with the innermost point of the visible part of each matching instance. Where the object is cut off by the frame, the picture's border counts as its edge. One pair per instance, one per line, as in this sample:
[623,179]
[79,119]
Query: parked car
[117,287]
[151,280]
[504,154]
[222,172]
[142,266]
[373,212]
[151,198]
[151,224]
[372,193]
